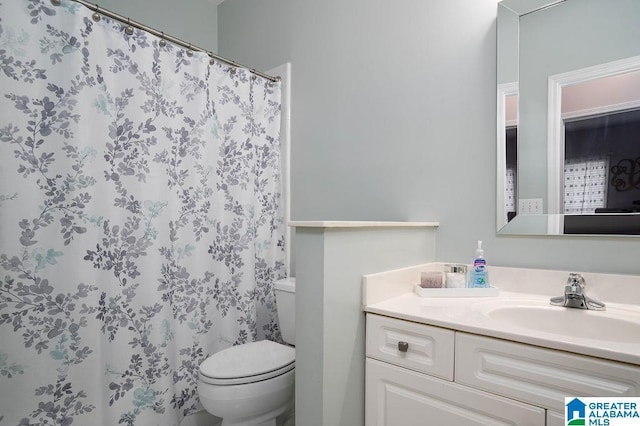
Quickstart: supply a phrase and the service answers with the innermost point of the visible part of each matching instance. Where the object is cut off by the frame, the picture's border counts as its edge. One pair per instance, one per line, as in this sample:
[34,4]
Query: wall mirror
[568,98]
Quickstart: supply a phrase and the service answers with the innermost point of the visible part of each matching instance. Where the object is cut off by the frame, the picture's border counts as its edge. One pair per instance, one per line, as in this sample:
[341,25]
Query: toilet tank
[286,307]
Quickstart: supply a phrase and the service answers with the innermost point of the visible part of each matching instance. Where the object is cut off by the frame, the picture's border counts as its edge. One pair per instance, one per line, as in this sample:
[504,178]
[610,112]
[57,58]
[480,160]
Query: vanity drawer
[543,377]
[429,349]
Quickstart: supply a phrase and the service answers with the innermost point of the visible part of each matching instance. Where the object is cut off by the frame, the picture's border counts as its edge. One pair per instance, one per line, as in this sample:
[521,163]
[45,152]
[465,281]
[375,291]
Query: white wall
[330,323]
[393,118]
[194,21]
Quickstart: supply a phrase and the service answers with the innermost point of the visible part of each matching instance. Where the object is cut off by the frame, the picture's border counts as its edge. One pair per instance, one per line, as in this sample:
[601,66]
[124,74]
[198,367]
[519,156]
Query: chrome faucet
[575,297]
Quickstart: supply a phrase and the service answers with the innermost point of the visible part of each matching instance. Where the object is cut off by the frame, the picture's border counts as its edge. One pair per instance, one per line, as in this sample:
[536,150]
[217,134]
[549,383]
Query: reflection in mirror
[573,147]
[594,139]
[507,116]
[511,146]
[508,154]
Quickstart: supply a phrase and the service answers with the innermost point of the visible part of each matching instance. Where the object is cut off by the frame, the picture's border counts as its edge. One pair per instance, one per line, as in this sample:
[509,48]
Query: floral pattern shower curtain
[141,227]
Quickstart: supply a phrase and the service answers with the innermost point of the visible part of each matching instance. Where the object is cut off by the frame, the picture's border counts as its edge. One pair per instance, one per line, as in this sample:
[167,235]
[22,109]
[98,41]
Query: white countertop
[466,314]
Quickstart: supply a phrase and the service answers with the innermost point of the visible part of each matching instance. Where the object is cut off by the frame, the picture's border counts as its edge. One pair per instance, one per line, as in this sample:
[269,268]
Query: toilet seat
[248,363]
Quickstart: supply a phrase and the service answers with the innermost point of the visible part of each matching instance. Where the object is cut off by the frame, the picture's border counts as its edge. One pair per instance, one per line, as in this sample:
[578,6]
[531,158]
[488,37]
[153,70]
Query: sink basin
[614,325]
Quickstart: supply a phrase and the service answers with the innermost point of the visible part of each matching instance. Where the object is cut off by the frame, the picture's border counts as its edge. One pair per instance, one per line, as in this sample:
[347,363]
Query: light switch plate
[530,206]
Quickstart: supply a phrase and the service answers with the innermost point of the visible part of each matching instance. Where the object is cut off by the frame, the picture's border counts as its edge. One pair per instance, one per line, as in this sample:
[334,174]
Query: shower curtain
[141,226]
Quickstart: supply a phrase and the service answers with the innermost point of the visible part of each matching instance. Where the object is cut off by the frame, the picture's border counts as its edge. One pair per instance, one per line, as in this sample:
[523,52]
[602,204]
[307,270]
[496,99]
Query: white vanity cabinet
[415,387]
[418,374]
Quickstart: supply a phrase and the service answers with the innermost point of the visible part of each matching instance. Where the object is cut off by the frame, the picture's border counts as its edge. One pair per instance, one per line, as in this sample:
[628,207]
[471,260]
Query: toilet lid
[250,359]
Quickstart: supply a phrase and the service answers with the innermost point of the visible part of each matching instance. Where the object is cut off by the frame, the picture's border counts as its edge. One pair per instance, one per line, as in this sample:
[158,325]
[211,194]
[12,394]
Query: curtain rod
[162,35]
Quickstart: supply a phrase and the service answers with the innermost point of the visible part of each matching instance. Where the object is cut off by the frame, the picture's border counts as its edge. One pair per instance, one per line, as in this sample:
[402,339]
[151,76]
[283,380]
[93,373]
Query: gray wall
[194,21]
[393,118]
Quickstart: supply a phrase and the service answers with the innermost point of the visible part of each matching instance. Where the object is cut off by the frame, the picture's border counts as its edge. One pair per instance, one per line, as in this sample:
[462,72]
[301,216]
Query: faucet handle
[576,279]
[575,283]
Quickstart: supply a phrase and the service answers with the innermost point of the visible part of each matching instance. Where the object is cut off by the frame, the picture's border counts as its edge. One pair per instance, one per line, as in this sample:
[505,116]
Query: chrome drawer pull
[403,346]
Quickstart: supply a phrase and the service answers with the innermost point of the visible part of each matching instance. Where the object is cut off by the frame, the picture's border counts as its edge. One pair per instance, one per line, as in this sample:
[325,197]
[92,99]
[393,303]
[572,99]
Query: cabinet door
[555,419]
[396,396]
[539,376]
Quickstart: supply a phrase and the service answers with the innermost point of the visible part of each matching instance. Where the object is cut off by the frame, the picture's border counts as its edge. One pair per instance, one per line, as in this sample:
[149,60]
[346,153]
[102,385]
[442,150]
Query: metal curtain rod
[163,36]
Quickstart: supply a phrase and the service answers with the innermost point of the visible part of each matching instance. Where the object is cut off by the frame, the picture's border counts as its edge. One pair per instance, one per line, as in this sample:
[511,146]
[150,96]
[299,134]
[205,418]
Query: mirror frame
[552,223]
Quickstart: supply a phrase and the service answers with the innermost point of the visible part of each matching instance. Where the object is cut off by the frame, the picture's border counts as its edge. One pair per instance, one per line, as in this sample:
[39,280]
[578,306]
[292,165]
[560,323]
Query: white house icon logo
[576,412]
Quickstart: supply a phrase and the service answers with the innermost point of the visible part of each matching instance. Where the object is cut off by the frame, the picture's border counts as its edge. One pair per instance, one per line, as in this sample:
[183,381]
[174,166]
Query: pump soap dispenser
[478,275]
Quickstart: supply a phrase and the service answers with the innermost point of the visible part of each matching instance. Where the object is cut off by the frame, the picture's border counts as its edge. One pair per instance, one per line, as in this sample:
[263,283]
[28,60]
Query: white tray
[455,292]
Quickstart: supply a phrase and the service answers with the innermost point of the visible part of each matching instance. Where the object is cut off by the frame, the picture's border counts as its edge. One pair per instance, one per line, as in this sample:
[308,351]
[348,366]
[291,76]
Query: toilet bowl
[253,384]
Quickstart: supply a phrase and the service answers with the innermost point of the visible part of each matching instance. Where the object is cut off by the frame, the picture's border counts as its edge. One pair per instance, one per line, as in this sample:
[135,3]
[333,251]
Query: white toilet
[253,384]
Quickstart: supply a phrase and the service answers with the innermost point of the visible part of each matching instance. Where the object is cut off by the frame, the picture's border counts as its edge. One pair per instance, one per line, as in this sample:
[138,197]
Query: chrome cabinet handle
[403,346]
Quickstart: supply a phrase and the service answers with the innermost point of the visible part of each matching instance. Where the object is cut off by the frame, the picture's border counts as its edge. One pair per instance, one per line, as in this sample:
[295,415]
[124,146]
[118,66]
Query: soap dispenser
[478,275]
